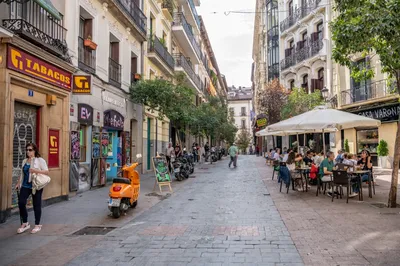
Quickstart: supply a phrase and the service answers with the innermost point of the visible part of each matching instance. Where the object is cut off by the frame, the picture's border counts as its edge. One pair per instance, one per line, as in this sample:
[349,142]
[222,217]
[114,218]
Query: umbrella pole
[323,140]
[305,140]
[298,144]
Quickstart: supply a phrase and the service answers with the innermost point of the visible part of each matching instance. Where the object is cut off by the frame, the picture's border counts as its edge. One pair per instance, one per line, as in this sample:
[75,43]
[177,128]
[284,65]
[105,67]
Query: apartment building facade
[36,78]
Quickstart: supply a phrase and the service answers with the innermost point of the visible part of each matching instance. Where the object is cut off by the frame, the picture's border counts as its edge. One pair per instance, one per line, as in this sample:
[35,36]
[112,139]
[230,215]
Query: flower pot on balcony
[137,76]
[90,44]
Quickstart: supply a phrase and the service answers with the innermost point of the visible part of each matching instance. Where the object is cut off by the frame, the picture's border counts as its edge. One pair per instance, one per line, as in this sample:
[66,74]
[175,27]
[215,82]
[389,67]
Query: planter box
[90,44]
[384,162]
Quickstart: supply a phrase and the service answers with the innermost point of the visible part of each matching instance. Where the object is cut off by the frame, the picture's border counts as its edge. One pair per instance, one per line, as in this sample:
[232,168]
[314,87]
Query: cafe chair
[275,166]
[321,184]
[340,180]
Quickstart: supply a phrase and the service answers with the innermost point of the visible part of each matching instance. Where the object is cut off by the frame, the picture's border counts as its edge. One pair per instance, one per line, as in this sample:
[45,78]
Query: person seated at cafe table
[277,154]
[348,162]
[365,164]
[308,158]
[326,169]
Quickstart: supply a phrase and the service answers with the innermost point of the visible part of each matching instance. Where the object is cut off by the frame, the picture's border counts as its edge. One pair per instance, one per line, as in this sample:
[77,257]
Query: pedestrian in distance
[233,152]
[33,164]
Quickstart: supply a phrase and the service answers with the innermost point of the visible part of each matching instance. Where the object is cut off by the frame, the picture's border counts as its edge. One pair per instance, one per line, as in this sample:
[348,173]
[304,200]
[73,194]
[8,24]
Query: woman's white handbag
[39,181]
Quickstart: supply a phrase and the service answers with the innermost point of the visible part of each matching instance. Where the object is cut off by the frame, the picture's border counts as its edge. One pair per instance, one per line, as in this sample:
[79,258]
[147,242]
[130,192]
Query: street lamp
[325,93]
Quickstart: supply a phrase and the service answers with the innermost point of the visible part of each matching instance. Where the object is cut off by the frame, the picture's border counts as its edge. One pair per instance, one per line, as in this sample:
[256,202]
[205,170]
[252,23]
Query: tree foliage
[243,139]
[299,101]
[365,27]
[271,99]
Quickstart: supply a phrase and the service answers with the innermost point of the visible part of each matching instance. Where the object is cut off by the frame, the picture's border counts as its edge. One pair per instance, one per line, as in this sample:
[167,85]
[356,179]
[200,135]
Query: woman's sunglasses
[29,149]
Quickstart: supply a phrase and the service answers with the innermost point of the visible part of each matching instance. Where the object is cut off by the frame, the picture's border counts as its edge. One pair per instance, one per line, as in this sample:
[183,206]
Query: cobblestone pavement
[336,233]
[224,217]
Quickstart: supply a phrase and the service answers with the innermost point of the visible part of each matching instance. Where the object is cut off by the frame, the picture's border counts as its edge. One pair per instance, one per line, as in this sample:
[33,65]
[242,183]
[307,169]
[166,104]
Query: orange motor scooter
[124,192]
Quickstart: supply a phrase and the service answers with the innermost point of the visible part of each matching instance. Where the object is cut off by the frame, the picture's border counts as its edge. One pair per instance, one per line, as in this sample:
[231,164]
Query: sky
[231,37]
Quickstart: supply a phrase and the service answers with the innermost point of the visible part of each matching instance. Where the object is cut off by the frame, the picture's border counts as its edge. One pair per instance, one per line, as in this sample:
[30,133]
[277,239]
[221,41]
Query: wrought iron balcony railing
[368,91]
[156,46]
[86,57]
[298,14]
[182,61]
[135,13]
[179,19]
[168,4]
[35,24]
[194,11]
[303,51]
[114,70]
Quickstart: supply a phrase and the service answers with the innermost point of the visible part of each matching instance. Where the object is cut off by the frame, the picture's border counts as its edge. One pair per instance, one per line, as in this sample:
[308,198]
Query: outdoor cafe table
[359,174]
[304,171]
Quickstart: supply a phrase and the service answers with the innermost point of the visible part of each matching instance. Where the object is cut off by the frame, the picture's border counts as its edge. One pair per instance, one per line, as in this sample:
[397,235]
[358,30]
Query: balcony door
[361,90]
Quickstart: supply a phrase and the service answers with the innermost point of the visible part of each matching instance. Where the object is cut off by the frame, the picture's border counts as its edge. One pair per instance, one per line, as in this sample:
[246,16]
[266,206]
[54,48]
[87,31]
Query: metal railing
[298,14]
[114,72]
[156,46]
[194,11]
[135,13]
[308,49]
[86,57]
[32,22]
[180,20]
[182,61]
[368,91]
[168,4]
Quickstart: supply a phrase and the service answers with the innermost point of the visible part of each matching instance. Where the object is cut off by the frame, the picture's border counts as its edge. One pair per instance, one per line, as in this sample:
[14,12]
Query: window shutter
[300,45]
[134,65]
[314,85]
[314,36]
[288,52]
[115,51]
[88,28]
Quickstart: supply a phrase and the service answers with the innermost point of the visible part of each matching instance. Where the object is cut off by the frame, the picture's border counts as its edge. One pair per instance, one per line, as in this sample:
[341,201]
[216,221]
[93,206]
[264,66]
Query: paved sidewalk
[224,217]
[54,245]
[326,233]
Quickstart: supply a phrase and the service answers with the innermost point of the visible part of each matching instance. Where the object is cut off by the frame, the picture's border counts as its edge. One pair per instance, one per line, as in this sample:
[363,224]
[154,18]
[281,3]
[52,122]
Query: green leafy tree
[299,101]
[243,139]
[372,28]
[382,149]
[346,145]
[271,99]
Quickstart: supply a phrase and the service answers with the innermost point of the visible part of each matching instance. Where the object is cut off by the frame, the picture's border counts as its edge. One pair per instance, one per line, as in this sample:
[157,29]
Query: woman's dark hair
[367,152]
[291,157]
[35,149]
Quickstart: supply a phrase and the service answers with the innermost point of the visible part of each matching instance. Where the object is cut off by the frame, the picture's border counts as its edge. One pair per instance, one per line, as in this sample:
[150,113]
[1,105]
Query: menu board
[75,146]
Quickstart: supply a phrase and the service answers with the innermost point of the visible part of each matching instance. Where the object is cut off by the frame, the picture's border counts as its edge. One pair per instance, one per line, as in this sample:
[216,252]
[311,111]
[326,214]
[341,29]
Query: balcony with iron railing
[114,72]
[156,46]
[134,13]
[298,14]
[33,23]
[86,57]
[302,51]
[194,12]
[368,91]
[183,62]
[180,20]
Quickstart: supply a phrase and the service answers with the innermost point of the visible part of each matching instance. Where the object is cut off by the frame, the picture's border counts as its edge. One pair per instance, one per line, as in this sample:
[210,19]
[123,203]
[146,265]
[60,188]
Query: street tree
[243,139]
[365,27]
[299,101]
[271,100]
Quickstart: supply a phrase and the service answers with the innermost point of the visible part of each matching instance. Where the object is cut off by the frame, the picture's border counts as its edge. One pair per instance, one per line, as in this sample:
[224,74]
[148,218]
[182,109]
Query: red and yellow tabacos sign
[32,66]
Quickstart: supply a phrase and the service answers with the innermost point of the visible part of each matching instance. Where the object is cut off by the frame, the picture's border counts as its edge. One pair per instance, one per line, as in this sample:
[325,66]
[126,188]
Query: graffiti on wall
[96,147]
[25,118]
[75,146]
[85,179]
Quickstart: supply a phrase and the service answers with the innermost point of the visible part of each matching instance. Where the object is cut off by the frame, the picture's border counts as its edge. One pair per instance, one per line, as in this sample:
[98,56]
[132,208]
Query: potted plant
[346,145]
[383,153]
[89,43]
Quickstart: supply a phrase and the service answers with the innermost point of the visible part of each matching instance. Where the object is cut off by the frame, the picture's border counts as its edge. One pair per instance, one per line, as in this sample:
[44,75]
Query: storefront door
[25,126]
[112,158]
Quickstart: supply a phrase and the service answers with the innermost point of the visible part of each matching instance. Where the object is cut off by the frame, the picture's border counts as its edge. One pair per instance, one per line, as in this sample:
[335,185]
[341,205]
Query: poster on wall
[84,178]
[119,151]
[104,144]
[110,145]
[103,172]
[96,147]
[95,172]
[73,176]
[75,146]
[54,148]
[126,148]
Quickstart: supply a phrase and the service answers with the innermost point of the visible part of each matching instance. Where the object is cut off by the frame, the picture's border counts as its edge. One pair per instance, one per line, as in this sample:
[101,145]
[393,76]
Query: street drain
[267,194]
[389,213]
[379,205]
[190,199]
[94,230]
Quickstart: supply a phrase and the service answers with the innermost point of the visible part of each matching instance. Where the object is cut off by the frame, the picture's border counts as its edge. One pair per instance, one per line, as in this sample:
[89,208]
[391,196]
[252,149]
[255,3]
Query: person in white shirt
[286,156]
[277,155]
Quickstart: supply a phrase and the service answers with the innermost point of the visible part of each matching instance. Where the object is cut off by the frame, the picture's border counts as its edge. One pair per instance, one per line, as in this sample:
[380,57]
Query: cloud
[231,37]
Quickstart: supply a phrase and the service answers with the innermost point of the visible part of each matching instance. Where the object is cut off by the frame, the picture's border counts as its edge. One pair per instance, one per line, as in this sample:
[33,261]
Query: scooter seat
[121,180]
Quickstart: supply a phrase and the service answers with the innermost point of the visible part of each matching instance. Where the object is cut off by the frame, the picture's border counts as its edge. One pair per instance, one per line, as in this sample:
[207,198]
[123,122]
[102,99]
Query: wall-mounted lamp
[51,99]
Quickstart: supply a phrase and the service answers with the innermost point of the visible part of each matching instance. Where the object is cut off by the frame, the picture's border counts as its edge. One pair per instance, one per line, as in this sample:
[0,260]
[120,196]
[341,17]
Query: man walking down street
[233,152]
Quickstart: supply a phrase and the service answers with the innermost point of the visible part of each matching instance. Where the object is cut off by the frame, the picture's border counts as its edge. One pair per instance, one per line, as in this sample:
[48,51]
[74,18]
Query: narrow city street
[222,216]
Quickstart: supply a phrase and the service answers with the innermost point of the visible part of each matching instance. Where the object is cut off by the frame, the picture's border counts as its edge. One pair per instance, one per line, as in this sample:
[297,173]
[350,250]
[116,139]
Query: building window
[361,90]
[290,7]
[232,111]
[243,124]
[291,47]
[305,83]
[320,30]
[82,133]
[291,84]
[243,112]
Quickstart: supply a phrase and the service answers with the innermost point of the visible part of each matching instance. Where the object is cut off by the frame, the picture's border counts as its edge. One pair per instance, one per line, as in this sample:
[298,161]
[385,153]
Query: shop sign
[71,110]
[262,122]
[113,101]
[85,114]
[387,113]
[32,66]
[54,148]
[113,120]
[82,84]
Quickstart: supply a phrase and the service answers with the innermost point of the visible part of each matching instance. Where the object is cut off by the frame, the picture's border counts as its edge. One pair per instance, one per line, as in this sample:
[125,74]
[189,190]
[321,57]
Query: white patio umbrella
[323,119]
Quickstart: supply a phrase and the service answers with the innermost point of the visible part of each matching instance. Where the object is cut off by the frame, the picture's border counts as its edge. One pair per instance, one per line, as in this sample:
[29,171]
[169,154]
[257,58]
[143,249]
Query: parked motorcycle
[190,161]
[180,167]
[213,155]
[124,192]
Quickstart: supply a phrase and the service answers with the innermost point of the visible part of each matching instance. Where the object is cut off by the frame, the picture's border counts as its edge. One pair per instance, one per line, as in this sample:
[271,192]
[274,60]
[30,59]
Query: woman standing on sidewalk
[33,164]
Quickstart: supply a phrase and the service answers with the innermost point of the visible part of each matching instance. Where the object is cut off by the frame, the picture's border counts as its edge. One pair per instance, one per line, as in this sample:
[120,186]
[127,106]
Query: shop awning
[48,6]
